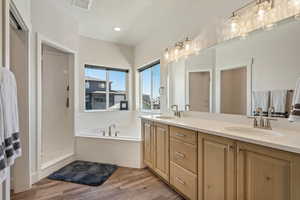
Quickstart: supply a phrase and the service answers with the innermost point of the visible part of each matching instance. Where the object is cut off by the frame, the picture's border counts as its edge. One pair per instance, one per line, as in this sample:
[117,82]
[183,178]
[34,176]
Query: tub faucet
[109,129]
[102,132]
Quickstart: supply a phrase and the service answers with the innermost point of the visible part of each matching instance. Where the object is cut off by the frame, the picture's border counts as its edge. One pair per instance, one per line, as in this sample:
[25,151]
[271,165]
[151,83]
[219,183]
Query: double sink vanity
[213,152]
[218,160]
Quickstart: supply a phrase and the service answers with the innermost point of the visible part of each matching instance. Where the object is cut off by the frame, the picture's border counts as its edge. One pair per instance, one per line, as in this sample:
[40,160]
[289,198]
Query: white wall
[275,53]
[200,20]
[60,28]
[24,7]
[101,53]
[178,72]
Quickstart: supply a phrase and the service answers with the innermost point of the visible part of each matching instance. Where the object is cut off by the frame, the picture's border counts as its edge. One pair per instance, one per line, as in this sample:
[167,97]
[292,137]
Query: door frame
[187,90]
[26,149]
[43,171]
[249,67]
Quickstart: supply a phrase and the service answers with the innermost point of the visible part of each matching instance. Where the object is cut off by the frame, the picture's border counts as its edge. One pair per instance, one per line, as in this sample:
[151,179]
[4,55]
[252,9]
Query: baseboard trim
[56,161]
[21,188]
[50,167]
[34,177]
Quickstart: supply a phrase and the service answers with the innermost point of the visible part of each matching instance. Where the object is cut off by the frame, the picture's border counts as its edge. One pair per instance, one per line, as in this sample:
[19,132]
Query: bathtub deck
[124,184]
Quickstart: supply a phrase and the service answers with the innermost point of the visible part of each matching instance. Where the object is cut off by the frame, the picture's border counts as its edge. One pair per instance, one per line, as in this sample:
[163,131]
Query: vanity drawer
[184,135]
[184,181]
[184,154]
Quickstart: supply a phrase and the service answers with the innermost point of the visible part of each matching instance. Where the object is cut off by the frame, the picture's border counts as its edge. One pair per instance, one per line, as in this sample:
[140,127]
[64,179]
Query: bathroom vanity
[216,160]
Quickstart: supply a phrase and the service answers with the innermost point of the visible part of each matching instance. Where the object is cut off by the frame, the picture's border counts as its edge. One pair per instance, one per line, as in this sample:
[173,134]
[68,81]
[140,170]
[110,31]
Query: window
[105,88]
[150,86]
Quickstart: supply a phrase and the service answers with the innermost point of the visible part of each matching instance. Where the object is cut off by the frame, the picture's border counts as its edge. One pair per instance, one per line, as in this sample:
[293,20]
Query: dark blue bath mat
[86,173]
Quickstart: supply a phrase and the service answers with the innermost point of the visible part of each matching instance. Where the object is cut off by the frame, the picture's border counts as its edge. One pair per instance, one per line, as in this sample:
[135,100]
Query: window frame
[107,91]
[140,70]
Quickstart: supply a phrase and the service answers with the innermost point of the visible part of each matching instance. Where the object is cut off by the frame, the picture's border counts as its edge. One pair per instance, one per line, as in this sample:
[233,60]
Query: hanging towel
[3,172]
[260,99]
[278,100]
[295,113]
[8,95]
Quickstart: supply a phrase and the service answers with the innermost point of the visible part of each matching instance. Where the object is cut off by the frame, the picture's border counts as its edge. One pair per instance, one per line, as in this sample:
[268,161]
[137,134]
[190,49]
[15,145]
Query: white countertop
[287,140]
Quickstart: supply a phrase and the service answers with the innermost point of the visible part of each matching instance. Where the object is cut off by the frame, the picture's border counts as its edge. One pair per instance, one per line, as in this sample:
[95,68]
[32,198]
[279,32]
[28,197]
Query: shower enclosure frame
[43,171]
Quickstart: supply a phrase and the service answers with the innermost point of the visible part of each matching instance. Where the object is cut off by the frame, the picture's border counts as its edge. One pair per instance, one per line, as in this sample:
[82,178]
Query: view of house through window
[150,85]
[105,88]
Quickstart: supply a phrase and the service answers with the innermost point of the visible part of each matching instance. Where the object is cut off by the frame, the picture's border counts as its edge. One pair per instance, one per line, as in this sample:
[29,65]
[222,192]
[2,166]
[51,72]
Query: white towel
[3,171]
[296,97]
[8,95]
[260,99]
[278,100]
[296,100]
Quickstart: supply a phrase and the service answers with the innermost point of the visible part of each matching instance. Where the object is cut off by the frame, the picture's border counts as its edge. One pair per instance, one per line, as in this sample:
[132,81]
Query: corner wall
[55,25]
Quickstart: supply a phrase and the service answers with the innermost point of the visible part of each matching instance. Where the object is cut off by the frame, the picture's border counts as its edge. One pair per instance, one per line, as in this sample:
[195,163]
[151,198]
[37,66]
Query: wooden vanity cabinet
[161,150]
[216,168]
[183,161]
[264,173]
[206,167]
[156,148]
[148,134]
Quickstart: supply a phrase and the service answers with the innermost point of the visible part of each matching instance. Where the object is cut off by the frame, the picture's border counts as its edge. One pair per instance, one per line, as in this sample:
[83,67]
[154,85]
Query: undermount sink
[164,117]
[253,131]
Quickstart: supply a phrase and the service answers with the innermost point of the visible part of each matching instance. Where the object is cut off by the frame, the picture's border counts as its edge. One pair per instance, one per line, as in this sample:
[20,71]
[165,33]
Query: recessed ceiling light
[118,29]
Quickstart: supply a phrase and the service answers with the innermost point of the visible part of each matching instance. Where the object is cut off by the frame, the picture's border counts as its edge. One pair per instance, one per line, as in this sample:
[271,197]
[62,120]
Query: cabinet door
[265,173]
[148,144]
[216,168]
[162,150]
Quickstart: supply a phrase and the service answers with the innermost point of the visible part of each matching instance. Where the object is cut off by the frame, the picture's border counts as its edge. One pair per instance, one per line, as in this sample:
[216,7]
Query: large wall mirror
[241,75]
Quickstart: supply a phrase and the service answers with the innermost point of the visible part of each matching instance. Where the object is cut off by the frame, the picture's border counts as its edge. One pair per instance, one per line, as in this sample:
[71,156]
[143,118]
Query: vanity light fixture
[258,14]
[181,49]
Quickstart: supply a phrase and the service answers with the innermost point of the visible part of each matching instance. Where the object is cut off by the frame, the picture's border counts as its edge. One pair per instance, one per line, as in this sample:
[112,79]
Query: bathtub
[125,150]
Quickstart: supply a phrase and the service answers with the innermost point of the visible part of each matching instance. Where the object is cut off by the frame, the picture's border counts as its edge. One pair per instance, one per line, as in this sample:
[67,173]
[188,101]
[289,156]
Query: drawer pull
[180,135]
[180,181]
[181,155]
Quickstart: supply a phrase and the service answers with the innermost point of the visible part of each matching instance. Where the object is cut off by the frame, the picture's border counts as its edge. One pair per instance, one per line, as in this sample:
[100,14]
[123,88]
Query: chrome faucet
[261,119]
[177,113]
[187,107]
[102,132]
[264,122]
[270,111]
[109,129]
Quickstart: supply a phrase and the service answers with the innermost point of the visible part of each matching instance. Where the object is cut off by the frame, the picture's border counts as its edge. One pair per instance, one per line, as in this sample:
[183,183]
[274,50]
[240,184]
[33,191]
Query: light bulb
[187,47]
[261,14]
[176,52]
[167,54]
[295,3]
[234,26]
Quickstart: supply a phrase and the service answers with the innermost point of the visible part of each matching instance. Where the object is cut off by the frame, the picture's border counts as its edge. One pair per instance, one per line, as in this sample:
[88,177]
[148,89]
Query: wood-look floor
[124,184]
